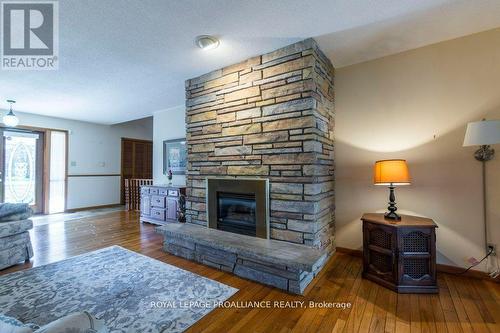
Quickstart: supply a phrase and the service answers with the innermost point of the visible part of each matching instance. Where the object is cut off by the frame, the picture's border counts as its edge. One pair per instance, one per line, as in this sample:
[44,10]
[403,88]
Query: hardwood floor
[463,304]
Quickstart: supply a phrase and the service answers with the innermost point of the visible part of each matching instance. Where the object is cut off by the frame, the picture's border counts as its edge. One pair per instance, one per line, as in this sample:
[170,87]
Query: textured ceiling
[123,60]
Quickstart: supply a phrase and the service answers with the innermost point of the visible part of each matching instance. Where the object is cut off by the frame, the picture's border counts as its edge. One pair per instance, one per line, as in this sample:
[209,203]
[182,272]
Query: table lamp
[483,134]
[391,173]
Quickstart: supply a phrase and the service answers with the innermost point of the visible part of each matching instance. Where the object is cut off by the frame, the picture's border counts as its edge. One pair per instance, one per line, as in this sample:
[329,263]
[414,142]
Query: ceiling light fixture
[206,42]
[10,119]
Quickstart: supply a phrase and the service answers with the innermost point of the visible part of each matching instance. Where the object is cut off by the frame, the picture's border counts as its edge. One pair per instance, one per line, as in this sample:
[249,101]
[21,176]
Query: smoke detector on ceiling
[206,42]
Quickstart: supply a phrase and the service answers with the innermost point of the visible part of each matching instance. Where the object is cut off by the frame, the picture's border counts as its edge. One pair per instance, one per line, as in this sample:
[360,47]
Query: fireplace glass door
[236,213]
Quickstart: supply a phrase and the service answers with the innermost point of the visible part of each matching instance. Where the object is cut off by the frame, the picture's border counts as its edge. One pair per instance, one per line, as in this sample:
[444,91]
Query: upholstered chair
[15,243]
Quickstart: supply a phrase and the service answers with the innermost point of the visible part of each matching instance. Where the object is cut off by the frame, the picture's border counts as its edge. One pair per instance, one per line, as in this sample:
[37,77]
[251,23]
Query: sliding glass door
[21,167]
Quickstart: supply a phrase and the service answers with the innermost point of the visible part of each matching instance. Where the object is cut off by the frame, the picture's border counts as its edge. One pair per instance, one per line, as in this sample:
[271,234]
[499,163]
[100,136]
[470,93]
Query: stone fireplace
[260,173]
[269,117]
[239,205]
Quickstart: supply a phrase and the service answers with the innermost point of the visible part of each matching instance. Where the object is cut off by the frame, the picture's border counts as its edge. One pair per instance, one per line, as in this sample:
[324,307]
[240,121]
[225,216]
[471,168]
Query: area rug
[131,292]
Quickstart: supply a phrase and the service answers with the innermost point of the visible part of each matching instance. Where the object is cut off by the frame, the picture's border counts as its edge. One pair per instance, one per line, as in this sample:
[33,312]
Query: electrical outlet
[494,247]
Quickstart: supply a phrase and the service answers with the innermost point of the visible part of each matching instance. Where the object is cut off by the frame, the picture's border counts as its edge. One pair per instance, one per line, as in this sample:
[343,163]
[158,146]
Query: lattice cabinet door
[417,256]
[380,243]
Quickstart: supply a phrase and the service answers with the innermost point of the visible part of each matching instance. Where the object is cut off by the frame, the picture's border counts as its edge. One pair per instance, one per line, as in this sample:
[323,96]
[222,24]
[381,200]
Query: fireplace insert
[236,213]
[239,206]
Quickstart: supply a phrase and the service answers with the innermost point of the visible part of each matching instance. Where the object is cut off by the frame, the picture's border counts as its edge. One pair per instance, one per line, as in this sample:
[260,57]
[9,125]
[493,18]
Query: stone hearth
[283,265]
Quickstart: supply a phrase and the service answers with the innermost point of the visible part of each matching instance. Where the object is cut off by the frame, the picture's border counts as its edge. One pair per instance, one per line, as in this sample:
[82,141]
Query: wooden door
[137,161]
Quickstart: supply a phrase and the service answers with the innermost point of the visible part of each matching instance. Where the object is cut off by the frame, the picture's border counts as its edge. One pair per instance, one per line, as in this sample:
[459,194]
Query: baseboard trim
[96,175]
[352,252]
[74,210]
[441,268]
[471,273]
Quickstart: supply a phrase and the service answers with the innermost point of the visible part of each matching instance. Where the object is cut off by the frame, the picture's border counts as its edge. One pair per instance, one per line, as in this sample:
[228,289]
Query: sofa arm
[15,227]
[79,322]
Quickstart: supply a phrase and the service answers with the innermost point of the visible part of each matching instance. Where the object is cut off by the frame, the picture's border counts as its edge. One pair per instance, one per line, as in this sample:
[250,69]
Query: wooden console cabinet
[160,204]
[400,255]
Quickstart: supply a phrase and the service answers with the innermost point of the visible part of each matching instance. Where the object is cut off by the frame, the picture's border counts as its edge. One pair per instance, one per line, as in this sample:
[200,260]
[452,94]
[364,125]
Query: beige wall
[415,105]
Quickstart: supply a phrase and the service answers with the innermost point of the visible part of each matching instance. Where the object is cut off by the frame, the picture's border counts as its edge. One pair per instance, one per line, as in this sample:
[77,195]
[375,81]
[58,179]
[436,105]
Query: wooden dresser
[161,204]
[400,255]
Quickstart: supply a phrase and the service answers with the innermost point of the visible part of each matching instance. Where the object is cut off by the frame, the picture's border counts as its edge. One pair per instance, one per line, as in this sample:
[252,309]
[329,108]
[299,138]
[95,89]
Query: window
[57,179]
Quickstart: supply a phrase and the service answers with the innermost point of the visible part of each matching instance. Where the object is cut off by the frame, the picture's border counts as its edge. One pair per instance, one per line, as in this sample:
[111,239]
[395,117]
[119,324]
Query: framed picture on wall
[174,156]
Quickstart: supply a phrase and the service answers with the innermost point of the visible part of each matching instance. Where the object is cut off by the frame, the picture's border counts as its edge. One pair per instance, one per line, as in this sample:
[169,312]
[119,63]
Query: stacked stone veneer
[271,116]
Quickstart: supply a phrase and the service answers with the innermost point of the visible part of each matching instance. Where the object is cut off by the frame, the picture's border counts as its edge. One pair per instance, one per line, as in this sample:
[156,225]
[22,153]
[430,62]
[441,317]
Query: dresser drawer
[168,192]
[158,214]
[173,193]
[144,190]
[158,201]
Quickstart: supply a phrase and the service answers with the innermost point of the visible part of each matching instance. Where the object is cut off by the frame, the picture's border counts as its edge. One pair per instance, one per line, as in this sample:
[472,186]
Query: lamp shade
[479,133]
[391,172]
